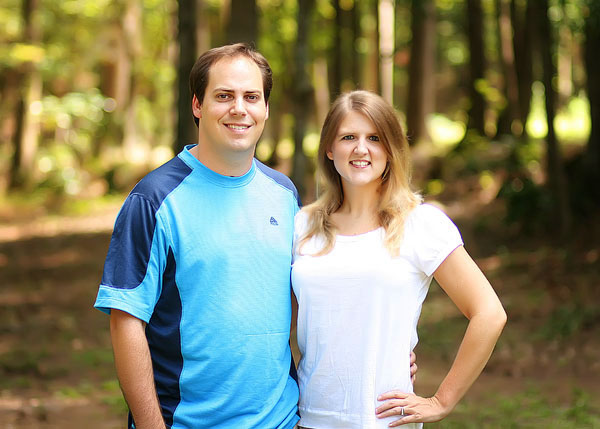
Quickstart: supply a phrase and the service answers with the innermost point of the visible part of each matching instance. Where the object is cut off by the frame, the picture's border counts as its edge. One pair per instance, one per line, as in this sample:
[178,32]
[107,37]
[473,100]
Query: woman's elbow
[497,318]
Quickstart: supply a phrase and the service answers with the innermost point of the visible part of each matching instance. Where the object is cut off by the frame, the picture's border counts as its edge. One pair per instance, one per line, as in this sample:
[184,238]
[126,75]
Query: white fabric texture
[358,314]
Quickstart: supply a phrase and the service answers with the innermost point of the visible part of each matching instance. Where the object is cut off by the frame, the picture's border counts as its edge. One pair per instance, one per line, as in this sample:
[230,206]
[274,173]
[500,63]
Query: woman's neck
[358,213]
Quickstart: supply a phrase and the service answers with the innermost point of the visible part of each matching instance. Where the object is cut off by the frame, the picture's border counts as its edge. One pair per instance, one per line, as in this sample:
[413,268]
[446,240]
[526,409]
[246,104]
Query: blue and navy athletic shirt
[205,260]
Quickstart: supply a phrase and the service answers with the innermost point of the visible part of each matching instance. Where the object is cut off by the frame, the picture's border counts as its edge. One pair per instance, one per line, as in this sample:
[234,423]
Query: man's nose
[238,107]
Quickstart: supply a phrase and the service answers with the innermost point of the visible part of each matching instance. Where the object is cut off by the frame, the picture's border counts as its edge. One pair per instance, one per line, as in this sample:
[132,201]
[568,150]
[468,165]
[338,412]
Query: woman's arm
[469,289]
[134,369]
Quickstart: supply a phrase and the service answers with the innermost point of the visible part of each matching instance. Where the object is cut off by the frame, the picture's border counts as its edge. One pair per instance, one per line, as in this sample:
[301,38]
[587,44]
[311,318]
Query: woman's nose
[361,146]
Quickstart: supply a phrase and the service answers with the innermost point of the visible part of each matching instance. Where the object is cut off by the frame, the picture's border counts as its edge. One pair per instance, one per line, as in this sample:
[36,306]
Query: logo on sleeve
[273,221]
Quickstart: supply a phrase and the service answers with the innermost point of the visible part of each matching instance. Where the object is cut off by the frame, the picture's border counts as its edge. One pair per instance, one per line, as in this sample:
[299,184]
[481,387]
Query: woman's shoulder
[427,219]
[426,212]
[301,220]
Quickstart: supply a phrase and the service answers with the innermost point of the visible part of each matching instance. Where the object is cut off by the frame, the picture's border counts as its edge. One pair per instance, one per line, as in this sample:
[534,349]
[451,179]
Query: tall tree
[592,66]
[27,127]
[476,65]
[243,22]
[335,81]
[421,70]
[555,168]
[386,49]
[302,93]
[522,16]
[510,119]
[355,16]
[370,78]
[186,36]
[131,32]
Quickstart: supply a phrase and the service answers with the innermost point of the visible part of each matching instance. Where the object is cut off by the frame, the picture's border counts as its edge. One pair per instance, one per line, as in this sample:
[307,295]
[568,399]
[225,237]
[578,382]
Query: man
[197,274]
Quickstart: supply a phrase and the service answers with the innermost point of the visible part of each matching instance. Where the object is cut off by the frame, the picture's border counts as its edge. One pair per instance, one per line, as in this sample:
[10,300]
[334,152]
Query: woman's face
[357,152]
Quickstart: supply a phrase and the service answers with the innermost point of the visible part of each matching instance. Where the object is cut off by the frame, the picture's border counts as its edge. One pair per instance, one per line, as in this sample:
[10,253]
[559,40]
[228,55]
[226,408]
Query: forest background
[500,100]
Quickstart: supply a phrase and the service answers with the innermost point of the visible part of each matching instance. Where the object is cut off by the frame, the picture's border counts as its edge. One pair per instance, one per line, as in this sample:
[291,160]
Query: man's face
[233,113]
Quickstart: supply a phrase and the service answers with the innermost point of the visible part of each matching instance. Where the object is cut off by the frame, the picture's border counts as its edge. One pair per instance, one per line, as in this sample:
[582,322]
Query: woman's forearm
[475,350]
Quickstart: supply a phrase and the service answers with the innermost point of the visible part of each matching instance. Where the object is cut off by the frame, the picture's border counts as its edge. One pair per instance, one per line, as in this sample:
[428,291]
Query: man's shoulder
[279,178]
[160,182]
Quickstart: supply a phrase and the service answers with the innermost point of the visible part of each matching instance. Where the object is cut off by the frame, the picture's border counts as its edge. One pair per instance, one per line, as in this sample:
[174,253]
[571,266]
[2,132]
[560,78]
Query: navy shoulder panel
[278,177]
[159,183]
[131,243]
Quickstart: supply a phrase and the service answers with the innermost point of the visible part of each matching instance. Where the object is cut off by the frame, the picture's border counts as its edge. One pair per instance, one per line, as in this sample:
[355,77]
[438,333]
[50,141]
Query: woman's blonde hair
[396,197]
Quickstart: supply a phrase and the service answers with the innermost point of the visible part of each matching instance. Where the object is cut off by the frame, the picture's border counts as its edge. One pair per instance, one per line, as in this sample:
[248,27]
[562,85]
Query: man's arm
[134,369]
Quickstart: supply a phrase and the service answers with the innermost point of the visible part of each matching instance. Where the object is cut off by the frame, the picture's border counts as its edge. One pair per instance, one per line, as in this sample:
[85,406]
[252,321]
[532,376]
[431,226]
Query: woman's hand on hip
[410,408]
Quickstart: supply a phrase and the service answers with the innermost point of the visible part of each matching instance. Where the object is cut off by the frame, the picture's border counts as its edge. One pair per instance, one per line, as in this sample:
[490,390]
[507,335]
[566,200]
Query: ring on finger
[402,411]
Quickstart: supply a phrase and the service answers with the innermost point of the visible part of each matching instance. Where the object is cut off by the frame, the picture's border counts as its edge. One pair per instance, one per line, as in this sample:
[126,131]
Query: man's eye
[252,97]
[223,96]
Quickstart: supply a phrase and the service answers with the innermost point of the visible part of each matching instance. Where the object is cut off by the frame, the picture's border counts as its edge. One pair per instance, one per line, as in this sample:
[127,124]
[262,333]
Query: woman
[366,252]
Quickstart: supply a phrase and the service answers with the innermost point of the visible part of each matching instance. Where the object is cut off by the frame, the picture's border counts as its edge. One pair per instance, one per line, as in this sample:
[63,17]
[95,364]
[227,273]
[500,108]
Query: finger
[392,394]
[413,358]
[402,421]
[393,412]
[405,419]
[389,405]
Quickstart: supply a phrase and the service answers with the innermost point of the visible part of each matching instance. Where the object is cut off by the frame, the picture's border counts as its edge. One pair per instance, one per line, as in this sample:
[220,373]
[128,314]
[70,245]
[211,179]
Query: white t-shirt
[357,317]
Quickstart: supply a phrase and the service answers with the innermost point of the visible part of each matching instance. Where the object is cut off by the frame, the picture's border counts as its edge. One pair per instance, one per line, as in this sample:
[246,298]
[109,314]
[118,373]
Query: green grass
[529,409]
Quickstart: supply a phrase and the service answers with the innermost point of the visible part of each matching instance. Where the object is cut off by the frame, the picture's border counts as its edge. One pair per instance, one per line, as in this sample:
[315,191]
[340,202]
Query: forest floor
[56,365]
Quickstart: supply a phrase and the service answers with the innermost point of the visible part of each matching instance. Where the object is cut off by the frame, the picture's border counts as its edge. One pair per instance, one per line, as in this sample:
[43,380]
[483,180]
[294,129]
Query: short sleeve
[136,258]
[432,236]
[300,224]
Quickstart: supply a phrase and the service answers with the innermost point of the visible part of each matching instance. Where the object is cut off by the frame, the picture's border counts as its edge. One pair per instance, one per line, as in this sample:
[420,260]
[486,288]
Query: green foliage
[22,361]
[527,204]
[93,358]
[569,319]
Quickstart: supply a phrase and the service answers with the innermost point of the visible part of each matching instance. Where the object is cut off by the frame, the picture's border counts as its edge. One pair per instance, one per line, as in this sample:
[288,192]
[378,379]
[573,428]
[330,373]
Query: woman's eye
[350,137]
[374,138]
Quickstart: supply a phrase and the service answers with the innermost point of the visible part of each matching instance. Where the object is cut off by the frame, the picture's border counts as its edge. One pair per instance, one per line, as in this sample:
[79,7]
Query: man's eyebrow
[249,91]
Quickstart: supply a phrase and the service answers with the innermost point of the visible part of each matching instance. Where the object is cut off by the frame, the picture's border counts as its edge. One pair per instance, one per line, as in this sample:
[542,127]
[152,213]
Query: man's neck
[236,165]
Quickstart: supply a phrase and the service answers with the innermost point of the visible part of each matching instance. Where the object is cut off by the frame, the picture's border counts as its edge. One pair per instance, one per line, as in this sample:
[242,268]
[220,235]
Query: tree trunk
[302,94]
[9,97]
[370,76]
[243,22]
[592,66]
[476,65]
[355,15]
[555,167]
[509,121]
[523,47]
[421,91]
[131,26]
[186,35]
[337,54]
[565,50]
[27,127]
[386,49]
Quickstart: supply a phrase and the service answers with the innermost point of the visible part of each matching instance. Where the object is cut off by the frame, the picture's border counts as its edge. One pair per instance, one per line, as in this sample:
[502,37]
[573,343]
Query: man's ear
[196,107]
